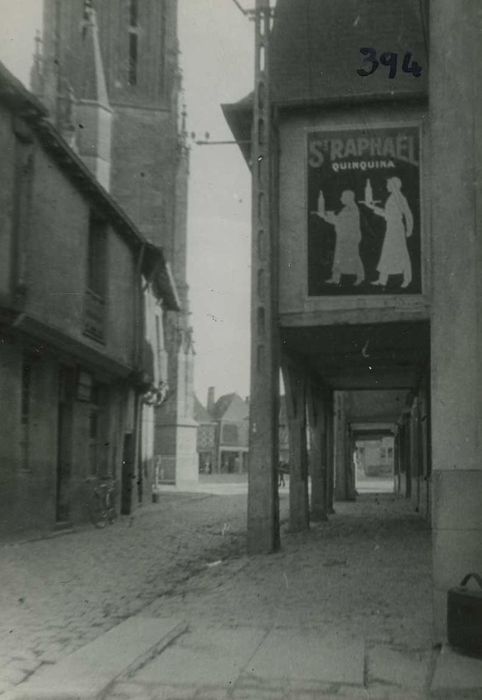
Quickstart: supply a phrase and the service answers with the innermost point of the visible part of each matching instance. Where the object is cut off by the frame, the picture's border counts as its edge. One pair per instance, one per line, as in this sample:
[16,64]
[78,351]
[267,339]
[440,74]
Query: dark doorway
[127,473]
[64,444]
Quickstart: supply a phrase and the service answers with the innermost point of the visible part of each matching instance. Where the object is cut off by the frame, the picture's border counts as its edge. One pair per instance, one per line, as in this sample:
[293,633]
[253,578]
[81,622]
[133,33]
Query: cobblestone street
[366,570]
[364,574]
[360,582]
[57,594]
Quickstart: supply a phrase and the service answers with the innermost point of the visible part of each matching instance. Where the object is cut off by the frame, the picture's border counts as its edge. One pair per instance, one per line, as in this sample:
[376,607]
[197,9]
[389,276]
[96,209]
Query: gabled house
[206,437]
[223,434]
[108,72]
[231,414]
[78,367]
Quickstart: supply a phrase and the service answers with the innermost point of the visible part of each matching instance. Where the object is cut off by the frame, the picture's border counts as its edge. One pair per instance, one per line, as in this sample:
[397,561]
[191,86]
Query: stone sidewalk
[343,611]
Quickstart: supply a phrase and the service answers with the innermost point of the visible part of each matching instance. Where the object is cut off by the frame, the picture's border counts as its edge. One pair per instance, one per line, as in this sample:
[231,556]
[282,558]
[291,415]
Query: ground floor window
[233,462]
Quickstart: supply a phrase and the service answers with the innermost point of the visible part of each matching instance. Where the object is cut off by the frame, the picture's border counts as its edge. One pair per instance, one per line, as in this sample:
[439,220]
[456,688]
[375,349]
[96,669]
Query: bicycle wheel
[110,510]
[101,520]
[98,514]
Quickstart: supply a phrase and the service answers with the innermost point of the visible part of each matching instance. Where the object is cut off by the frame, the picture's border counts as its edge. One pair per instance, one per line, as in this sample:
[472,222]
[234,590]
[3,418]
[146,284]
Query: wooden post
[330,454]
[263,509]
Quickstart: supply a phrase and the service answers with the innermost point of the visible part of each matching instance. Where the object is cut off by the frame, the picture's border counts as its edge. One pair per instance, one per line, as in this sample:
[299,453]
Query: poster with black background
[364,222]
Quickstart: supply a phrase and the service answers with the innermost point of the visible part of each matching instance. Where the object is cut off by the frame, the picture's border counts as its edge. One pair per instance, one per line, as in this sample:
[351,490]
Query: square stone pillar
[344,468]
[318,456]
[456,353]
[296,394]
[330,455]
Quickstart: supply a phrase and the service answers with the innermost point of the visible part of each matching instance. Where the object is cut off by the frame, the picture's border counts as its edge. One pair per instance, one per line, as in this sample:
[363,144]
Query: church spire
[93,85]
[36,71]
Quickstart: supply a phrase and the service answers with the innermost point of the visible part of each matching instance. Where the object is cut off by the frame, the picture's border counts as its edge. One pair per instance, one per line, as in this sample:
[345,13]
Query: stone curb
[88,673]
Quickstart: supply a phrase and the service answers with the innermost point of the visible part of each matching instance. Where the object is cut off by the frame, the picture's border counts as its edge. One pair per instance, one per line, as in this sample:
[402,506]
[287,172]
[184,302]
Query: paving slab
[310,655]
[405,668]
[87,673]
[206,655]
[457,673]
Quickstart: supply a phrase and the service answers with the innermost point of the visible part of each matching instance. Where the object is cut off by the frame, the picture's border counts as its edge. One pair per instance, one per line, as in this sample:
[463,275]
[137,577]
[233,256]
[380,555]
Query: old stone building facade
[109,74]
[77,366]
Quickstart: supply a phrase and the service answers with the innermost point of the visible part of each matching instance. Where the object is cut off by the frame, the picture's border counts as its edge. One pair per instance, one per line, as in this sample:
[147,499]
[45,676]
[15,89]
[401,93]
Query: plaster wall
[7,169]
[27,473]
[143,172]
[58,245]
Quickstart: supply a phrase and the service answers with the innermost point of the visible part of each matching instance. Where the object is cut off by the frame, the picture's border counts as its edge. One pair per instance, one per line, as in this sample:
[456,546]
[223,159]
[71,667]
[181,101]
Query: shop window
[98,444]
[93,445]
[85,387]
[96,261]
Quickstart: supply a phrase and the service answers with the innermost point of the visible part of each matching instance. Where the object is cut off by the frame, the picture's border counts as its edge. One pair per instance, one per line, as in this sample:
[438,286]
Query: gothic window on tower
[134,13]
[133,59]
[133,41]
[162,67]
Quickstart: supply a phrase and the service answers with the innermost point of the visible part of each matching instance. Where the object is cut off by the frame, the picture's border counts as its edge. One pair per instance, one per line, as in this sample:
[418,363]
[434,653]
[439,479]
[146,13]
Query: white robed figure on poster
[394,258]
[346,260]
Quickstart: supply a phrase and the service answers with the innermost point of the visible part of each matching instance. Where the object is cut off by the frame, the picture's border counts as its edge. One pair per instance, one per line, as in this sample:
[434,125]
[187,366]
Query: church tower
[116,62]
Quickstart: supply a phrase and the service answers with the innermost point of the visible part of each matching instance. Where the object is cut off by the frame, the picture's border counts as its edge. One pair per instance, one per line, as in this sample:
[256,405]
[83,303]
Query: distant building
[374,457]
[223,433]
[222,441]
[79,370]
[231,413]
[109,74]
[206,437]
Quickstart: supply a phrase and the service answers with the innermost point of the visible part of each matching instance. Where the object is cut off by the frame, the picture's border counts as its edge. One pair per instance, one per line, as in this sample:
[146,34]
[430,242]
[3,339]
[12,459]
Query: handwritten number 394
[390,60]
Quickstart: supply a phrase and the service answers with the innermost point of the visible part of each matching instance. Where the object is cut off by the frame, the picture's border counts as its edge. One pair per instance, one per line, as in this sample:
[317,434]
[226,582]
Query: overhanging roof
[362,356]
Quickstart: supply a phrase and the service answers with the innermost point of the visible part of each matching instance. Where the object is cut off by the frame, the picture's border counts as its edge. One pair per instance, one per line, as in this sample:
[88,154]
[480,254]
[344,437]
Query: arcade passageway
[358,406]
[366,274]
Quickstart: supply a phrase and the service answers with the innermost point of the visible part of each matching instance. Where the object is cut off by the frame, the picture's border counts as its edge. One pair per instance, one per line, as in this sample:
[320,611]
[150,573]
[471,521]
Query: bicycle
[102,506]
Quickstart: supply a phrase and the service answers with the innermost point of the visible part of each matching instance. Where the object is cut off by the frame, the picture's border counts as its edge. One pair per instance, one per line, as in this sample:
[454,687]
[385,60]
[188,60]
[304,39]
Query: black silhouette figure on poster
[394,257]
[346,259]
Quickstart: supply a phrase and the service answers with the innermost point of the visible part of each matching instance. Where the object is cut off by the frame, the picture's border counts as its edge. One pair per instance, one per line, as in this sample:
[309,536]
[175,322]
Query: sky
[216,42]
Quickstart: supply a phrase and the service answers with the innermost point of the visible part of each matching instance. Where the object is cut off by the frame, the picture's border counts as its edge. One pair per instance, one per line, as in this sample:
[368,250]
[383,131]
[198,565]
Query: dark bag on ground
[464,617]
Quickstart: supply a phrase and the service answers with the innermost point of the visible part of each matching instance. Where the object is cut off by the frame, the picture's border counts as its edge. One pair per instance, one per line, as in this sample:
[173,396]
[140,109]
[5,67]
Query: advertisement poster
[364,224]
